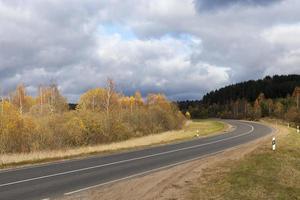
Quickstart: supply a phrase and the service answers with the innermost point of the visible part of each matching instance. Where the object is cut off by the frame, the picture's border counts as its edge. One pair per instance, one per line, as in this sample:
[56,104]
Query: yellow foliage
[51,97]
[188,115]
[97,100]
[102,116]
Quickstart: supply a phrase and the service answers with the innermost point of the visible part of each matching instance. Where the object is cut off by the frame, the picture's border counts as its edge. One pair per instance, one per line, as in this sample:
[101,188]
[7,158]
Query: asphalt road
[68,177]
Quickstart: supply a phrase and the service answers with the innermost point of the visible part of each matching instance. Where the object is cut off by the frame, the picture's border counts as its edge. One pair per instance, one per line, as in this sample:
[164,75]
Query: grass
[205,127]
[263,174]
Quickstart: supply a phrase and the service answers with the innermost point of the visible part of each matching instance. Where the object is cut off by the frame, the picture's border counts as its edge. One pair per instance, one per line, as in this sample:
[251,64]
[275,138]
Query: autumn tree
[131,102]
[49,100]
[235,107]
[293,115]
[110,96]
[102,116]
[13,130]
[163,112]
[99,99]
[2,102]
[296,95]
[257,109]
[278,109]
[92,100]
[138,99]
[159,100]
[21,100]
[187,115]
[127,103]
[270,105]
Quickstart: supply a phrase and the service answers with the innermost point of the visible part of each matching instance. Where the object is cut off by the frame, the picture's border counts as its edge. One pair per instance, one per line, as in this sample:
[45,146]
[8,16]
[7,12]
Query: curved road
[68,177]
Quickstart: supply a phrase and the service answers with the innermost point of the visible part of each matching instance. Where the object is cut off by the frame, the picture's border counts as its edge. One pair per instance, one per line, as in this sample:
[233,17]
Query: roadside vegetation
[262,174]
[205,127]
[43,123]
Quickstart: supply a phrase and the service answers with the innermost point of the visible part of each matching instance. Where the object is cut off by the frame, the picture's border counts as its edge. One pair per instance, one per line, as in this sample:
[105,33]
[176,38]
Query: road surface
[68,177]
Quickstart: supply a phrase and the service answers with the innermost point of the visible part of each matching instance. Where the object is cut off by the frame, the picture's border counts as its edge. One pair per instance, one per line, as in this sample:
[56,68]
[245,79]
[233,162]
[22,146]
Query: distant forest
[276,96]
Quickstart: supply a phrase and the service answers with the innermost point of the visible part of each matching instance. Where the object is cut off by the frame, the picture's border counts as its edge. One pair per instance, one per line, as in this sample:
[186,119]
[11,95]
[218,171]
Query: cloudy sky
[183,48]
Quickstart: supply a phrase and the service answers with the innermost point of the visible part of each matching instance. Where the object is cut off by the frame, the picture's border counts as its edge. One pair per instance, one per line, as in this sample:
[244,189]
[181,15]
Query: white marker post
[273,144]
[298,129]
[197,133]
[288,125]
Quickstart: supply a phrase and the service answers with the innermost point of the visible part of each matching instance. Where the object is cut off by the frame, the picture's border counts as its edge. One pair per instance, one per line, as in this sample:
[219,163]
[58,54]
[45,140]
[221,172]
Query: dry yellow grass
[205,127]
[261,174]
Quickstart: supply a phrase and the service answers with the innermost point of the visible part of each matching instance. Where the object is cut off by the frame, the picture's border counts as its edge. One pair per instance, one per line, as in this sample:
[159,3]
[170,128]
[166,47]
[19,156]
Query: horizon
[177,100]
[183,49]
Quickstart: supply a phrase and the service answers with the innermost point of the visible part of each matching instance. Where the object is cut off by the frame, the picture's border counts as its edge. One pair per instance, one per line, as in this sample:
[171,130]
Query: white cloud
[159,65]
[170,46]
[285,38]
[286,35]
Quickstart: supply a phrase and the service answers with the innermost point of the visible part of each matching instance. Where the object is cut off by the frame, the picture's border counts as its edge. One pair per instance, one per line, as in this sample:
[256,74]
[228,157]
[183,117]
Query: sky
[181,48]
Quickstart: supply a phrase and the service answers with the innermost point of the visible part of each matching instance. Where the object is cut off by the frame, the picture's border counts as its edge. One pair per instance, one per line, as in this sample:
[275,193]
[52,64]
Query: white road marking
[127,160]
[142,173]
[58,162]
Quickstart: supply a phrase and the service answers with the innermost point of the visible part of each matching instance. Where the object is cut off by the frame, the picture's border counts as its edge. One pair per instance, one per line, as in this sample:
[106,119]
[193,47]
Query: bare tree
[19,97]
[110,91]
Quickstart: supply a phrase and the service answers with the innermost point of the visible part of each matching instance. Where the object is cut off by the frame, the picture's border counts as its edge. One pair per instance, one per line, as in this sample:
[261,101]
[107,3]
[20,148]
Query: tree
[236,105]
[2,102]
[270,105]
[257,109]
[278,109]
[11,128]
[110,96]
[20,99]
[92,100]
[158,100]
[188,115]
[99,99]
[50,100]
[296,95]
[132,102]
[138,99]
[272,87]
[293,115]
[124,102]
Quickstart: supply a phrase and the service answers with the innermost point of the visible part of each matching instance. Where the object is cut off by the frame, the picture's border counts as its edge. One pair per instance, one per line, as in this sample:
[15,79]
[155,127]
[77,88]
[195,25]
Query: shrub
[102,116]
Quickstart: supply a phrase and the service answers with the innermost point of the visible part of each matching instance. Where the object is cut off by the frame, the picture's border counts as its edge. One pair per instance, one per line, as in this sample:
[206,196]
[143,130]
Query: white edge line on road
[146,172]
[128,160]
[58,162]
[142,173]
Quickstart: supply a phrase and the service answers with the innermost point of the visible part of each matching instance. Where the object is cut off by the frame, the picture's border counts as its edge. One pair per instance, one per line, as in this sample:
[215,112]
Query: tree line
[276,96]
[272,87]
[102,115]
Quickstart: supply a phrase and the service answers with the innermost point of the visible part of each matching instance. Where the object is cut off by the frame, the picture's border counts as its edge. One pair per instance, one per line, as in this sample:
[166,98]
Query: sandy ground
[170,184]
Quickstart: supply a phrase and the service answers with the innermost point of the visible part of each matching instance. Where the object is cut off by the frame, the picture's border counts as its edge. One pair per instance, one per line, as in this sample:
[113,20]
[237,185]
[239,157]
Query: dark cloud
[173,48]
[204,5]
[48,35]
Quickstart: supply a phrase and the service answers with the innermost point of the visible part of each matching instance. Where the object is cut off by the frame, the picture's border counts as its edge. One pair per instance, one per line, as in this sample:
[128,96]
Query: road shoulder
[202,128]
[173,183]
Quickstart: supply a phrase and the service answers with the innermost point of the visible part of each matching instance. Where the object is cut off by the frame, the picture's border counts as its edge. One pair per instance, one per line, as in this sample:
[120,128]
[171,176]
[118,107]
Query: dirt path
[172,183]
